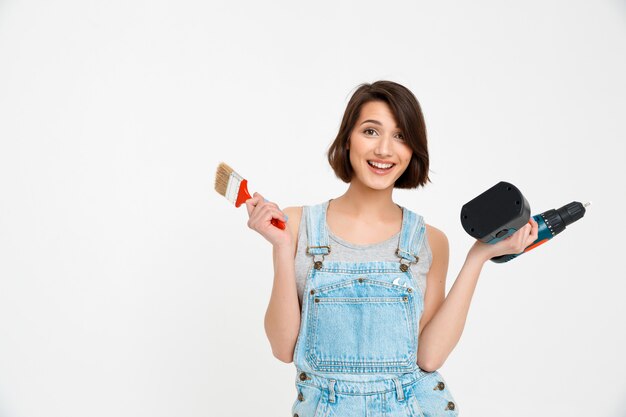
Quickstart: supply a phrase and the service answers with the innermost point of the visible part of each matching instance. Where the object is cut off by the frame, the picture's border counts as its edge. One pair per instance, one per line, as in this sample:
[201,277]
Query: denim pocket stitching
[317,363]
[351,282]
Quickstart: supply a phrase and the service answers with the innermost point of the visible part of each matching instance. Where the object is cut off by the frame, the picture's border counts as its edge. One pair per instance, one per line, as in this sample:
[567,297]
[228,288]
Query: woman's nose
[383,147]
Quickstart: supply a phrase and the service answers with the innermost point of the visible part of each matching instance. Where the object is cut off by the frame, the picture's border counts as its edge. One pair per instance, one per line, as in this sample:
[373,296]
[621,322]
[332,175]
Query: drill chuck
[557,220]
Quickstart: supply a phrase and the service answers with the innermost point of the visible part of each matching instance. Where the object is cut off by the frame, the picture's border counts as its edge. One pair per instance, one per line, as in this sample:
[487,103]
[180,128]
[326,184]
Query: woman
[358,301]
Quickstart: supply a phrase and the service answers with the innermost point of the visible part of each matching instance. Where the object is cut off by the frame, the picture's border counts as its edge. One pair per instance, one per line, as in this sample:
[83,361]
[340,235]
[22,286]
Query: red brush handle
[278,223]
[244,195]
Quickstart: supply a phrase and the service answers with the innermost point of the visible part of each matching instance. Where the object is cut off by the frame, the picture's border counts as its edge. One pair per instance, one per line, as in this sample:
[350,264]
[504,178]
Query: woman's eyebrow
[376,122]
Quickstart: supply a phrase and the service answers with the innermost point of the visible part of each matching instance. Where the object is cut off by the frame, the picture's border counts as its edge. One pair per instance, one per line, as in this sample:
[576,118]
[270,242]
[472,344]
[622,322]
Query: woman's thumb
[251,203]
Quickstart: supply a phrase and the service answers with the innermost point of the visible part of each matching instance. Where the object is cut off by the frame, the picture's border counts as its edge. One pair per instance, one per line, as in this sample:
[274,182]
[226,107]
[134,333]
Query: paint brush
[235,188]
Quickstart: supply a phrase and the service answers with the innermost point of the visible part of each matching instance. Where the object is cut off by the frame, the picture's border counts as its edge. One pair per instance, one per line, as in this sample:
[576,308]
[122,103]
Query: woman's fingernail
[286,217]
[265,199]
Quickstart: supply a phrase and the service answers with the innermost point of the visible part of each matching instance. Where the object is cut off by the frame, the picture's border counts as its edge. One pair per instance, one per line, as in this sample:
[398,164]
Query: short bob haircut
[408,114]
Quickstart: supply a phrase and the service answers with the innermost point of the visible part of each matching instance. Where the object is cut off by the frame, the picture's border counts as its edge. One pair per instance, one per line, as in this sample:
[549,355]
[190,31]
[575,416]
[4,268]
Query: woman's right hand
[261,213]
[514,244]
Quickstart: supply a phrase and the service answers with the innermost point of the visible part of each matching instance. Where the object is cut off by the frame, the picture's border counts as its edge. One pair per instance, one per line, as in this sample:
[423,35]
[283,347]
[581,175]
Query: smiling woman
[377,145]
[384,110]
[358,301]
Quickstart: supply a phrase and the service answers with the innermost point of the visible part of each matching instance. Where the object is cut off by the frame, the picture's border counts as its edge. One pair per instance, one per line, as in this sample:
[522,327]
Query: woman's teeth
[379,165]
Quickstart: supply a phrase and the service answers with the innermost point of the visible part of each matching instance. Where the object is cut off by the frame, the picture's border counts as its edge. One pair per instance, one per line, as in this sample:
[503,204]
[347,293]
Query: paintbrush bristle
[222,176]
[229,184]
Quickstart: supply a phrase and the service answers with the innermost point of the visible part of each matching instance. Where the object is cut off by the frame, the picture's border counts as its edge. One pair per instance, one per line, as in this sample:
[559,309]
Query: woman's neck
[363,202]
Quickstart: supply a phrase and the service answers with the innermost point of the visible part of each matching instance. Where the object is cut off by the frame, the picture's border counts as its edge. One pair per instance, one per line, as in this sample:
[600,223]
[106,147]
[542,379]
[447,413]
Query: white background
[129,287]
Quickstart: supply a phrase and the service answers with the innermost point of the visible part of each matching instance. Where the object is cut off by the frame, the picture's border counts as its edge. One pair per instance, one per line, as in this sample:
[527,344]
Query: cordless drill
[502,210]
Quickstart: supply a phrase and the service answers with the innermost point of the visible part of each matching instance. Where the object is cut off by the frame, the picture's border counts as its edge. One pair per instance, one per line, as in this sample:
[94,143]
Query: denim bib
[358,329]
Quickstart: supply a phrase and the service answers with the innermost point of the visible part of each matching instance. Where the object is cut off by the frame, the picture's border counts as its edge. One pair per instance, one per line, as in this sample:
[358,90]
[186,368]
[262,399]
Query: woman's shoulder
[436,237]
[437,240]
[294,215]
[434,233]
[296,212]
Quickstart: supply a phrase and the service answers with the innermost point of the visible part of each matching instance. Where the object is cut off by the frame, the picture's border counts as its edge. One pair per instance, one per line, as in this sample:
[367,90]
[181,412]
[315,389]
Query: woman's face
[378,152]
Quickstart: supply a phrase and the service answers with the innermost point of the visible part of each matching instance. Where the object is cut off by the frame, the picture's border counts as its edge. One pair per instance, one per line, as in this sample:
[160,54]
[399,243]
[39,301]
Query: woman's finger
[269,212]
[252,203]
[263,217]
[265,212]
[271,204]
[520,238]
[534,233]
[526,236]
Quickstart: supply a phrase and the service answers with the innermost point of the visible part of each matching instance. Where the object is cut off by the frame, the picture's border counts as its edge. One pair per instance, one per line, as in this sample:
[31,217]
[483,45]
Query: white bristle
[233,187]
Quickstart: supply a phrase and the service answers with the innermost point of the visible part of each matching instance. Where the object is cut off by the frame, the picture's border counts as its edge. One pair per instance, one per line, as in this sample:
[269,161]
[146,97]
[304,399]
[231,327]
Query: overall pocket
[362,326]
[434,396]
[307,402]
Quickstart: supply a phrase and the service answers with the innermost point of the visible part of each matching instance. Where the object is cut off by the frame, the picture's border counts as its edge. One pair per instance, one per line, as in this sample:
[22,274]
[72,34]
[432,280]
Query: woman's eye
[367,131]
[400,136]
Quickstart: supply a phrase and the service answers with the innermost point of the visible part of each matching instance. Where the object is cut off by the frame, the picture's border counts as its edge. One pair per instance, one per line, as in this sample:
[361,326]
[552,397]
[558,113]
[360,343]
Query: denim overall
[356,353]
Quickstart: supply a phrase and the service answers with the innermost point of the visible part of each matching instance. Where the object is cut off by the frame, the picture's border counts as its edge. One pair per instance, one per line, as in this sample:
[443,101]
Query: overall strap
[411,238]
[318,243]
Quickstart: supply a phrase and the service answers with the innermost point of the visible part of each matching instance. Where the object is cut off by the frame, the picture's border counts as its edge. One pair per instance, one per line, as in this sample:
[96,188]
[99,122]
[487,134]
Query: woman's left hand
[514,244]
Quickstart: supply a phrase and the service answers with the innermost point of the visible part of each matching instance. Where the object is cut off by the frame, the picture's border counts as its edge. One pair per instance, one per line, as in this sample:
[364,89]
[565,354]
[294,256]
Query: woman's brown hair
[408,114]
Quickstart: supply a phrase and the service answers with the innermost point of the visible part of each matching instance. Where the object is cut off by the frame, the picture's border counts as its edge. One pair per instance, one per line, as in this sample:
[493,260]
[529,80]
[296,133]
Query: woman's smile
[380,168]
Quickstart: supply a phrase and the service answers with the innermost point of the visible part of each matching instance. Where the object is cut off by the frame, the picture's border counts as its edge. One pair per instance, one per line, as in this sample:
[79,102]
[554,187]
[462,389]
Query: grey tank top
[343,251]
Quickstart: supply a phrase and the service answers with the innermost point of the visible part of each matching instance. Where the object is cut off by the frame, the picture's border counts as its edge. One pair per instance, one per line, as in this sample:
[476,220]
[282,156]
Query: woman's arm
[436,278]
[282,318]
[443,321]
